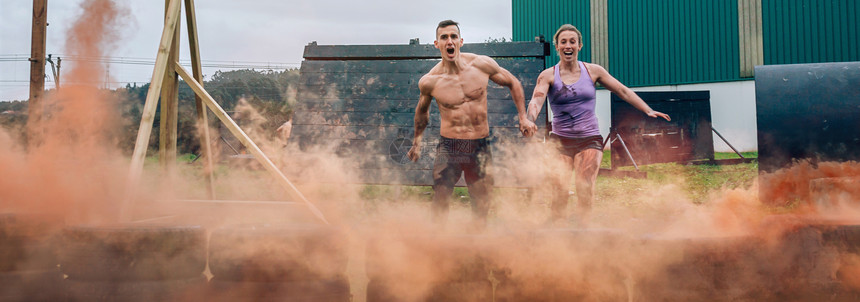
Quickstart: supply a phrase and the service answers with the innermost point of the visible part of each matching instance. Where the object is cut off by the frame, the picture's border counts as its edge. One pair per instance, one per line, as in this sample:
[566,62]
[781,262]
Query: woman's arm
[605,79]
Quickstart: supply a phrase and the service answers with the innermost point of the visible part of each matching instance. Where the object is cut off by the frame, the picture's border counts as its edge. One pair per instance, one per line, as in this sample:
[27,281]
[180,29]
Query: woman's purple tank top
[573,106]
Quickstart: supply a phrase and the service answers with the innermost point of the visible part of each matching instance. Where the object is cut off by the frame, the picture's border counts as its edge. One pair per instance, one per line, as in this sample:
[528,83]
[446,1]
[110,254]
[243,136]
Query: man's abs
[464,125]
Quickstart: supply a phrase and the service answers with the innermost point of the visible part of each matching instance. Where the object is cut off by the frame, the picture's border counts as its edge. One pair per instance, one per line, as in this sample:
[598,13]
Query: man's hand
[414,152]
[653,113]
[527,127]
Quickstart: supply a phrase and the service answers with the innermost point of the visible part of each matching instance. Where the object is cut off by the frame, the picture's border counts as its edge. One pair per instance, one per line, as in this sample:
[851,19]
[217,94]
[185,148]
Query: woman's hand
[653,113]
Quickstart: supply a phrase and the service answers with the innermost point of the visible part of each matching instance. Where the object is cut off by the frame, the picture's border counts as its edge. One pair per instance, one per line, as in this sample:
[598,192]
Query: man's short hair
[447,23]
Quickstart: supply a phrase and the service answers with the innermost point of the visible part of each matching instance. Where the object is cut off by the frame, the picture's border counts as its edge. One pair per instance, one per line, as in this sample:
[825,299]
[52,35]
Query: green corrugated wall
[809,31]
[532,18]
[661,42]
[654,42]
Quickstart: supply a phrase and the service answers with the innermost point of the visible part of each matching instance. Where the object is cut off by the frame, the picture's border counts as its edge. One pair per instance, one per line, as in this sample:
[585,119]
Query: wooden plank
[425,178]
[247,142]
[355,132]
[387,118]
[393,106]
[151,103]
[515,65]
[390,151]
[401,177]
[356,66]
[169,106]
[334,92]
[383,79]
[363,79]
[384,137]
[202,117]
[421,51]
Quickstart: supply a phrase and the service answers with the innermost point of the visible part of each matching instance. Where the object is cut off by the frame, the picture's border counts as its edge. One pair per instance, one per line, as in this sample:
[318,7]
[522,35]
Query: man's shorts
[571,146]
[456,156]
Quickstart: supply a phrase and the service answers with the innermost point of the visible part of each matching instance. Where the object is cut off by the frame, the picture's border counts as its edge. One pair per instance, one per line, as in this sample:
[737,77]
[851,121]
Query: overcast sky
[245,31]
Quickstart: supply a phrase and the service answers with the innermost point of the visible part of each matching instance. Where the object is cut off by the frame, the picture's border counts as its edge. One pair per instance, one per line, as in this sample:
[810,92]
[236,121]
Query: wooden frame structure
[165,83]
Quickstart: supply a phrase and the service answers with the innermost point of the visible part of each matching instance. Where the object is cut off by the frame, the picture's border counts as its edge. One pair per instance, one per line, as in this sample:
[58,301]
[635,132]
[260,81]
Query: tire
[333,290]
[27,242]
[26,227]
[36,286]
[445,259]
[844,237]
[28,257]
[378,291]
[392,291]
[133,252]
[462,292]
[180,290]
[277,253]
[701,268]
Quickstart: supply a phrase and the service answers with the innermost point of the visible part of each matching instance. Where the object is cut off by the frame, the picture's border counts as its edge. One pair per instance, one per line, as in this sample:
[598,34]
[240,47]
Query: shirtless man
[459,85]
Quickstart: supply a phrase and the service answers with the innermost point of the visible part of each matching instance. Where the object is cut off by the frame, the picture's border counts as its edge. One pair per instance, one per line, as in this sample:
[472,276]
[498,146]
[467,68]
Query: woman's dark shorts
[571,146]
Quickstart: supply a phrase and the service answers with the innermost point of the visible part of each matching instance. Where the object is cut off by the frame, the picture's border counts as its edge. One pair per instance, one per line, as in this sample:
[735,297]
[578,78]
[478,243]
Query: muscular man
[459,85]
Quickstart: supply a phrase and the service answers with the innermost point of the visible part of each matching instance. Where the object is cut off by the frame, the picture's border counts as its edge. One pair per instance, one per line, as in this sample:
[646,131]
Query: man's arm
[607,80]
[503,77]
[422,117]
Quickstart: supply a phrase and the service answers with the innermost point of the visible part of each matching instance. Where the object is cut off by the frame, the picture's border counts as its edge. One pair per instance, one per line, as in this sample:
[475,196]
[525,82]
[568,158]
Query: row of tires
[807,263]
[41,260]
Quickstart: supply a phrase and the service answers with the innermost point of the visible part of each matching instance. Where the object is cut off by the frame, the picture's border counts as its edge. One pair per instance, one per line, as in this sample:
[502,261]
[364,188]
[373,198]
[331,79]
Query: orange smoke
[791,185]
[71,165]
[73,169]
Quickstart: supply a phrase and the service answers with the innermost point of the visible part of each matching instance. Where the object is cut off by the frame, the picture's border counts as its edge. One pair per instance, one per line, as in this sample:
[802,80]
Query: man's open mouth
[450,51]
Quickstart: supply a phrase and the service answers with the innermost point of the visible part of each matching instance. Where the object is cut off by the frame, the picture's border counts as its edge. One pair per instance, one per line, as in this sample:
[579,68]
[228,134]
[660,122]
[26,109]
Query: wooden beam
[239,134]
[148,114]
[37,67]
[202,119]
[421,51]
[169,105]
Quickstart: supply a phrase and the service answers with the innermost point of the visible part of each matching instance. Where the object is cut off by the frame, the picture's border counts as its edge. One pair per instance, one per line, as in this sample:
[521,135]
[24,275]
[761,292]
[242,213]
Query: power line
[151,62]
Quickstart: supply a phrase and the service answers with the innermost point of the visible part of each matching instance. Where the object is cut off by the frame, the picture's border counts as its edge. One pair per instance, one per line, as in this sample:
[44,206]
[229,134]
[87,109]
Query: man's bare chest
[457,91]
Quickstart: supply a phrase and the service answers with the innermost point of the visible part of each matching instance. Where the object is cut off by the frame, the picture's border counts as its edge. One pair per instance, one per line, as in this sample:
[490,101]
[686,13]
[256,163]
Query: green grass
[697,181]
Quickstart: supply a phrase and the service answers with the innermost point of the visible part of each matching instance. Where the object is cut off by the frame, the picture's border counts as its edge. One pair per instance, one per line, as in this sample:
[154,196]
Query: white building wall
[732,111]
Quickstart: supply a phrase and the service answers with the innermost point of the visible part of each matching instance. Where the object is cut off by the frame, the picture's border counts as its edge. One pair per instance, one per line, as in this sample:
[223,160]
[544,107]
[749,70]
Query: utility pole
[37,63]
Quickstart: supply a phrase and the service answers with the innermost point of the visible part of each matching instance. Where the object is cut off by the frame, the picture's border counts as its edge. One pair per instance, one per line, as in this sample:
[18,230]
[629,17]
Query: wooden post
[148,114]
[37,65]
[202,119]
[169,105]
[255,150]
